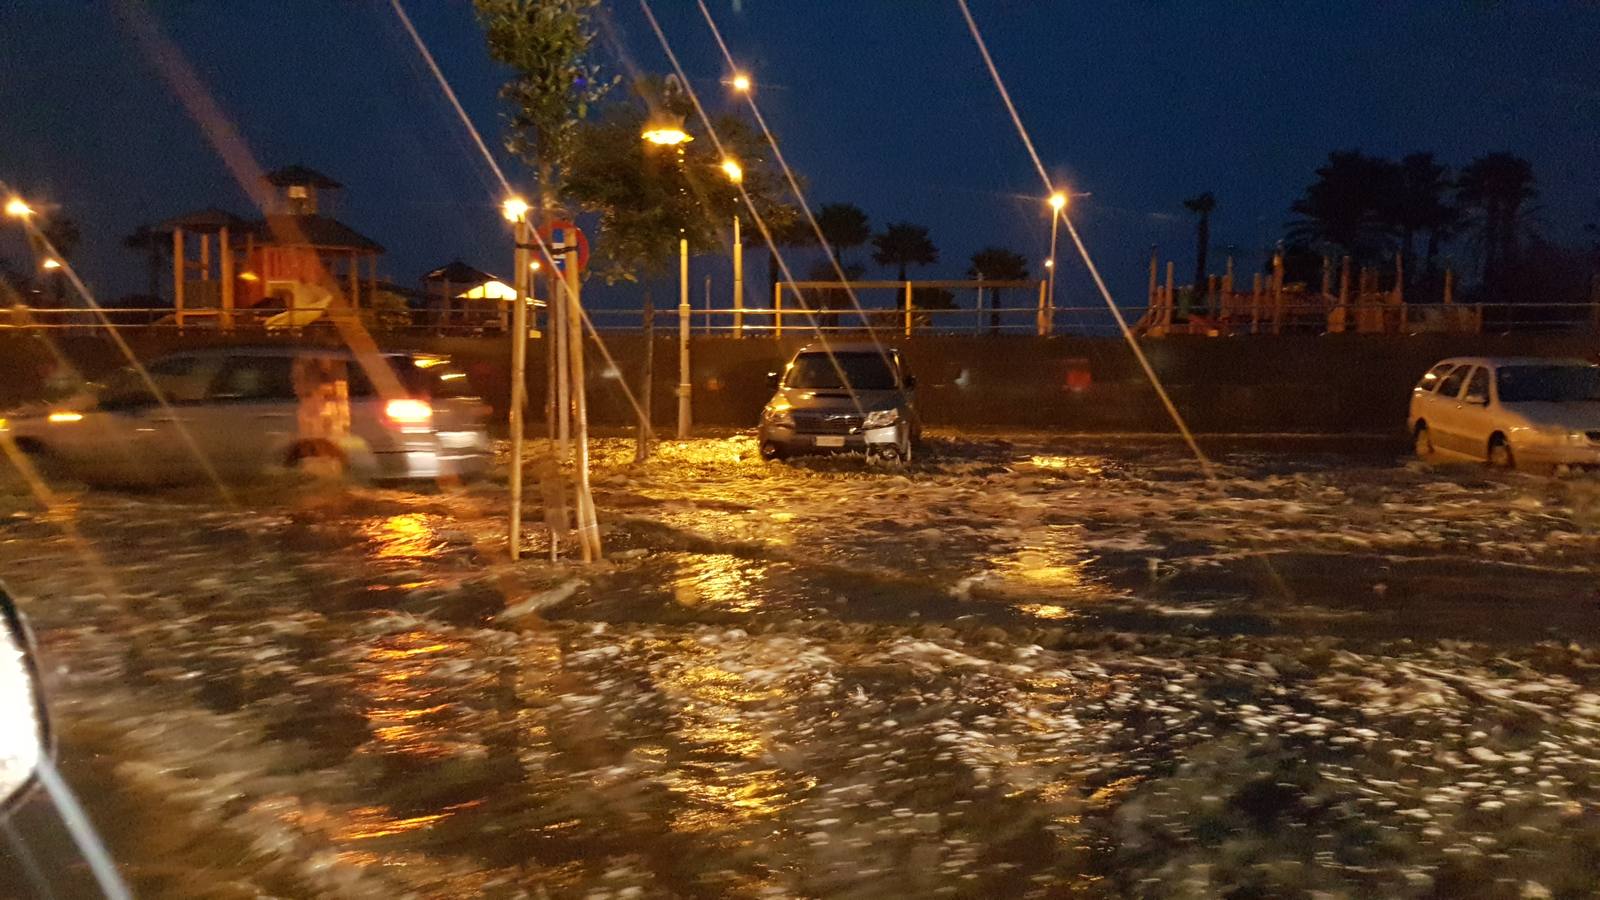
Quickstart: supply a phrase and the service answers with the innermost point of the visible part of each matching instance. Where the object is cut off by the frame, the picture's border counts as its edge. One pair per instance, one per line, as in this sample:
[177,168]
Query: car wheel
[1500,455]
[1423,442]
[318,458]
[772,451]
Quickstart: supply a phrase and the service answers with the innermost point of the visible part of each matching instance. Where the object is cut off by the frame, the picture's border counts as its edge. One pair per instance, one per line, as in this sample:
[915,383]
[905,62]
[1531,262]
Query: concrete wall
[1329,384]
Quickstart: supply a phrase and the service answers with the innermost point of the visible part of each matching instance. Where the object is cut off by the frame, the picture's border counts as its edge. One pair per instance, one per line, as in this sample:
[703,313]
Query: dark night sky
[884,104]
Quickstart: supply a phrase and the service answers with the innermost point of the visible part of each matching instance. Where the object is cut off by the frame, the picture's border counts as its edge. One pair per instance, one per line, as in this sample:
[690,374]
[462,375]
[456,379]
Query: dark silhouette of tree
[845,227]
[1348,208]
[997,264]
[902,244]
[156,247]
[1422,206]
[832,302]
[62,235]
[1201,206]
[1495,189]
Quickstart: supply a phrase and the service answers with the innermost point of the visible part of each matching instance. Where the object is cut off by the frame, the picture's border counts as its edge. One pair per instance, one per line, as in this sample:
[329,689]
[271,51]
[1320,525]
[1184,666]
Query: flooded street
[1022,666]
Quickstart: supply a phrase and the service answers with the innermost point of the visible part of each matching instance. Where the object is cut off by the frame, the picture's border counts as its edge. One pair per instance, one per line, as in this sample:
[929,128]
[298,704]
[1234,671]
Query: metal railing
[766,322]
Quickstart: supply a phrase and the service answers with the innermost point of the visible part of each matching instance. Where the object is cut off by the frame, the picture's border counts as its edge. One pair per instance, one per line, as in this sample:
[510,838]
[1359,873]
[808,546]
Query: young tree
[845,227]
[555,79]
[997,264]
[1201,206]
[902,244]
[1495,189]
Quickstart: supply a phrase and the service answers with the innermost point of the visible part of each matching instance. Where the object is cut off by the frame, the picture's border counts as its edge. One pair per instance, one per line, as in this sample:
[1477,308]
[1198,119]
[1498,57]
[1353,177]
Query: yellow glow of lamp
[741,83]
[65,416]
[514,209]
[51,263]
[1058,201]
[666,135]
[17,209]
[733,171]
[1049,264]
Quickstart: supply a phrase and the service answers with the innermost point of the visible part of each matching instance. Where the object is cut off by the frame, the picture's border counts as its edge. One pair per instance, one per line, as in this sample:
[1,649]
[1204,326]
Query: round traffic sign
[561,233]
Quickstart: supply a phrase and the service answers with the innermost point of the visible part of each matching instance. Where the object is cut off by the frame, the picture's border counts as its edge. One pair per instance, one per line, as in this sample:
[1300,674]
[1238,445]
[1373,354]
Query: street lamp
[1058,202]
[666,133]
[515,209]
[741,83]
[17,209]
[735,174]
[50,262]
[733,171]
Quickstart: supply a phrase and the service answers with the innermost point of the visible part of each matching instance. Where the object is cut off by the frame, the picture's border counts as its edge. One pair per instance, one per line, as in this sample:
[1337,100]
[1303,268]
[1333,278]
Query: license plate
[830,440]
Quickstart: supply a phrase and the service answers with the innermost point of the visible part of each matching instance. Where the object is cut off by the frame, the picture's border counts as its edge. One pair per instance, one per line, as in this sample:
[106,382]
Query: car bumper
[446,454]
[1558,454]
[807,442]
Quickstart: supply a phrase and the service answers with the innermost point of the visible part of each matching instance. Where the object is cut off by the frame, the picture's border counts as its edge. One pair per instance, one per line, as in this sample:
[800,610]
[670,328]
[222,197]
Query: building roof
[314,231]
[458,272]
[208,219]
[298,174]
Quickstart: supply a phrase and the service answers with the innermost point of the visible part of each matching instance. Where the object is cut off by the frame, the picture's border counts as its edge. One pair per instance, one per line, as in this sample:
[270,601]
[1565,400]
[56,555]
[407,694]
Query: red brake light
[407,411]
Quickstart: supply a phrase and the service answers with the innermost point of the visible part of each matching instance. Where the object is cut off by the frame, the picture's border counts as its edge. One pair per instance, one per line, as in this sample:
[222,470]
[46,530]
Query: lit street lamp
[515,210]
[736,175]
[50,262]
[1058,202]
[741,83]
[17,209]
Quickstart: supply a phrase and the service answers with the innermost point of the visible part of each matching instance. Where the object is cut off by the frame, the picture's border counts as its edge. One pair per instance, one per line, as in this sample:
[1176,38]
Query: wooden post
[777,310]
[1167,303]
[588,522]
[1255,304]
[908,308]
[355,280]
[228,302]
[1341,312]
[685,382]
[519,382]
[563,404]
[1277,292]
[646,388]
[738,280]
[1044,308]
[178,274]
[205,257]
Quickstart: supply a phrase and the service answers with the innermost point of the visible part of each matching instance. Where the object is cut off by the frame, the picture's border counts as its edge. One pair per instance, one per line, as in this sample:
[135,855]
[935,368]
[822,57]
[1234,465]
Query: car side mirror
[911,381]
[1476,399]
[772,379]
[27,733]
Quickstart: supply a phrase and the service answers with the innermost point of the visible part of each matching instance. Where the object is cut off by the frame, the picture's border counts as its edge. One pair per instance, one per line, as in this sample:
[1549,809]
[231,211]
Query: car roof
[1495,362]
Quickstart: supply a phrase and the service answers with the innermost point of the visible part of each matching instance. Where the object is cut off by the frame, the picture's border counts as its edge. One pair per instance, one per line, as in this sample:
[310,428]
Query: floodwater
[1023,666]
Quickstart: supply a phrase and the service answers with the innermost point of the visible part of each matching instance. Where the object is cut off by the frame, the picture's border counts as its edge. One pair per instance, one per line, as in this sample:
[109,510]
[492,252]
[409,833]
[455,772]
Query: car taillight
[407,411]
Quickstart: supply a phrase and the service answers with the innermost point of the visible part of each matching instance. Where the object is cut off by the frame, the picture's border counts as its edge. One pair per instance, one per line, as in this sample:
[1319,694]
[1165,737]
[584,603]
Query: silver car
[842,397]
[235,413]
[1509,412]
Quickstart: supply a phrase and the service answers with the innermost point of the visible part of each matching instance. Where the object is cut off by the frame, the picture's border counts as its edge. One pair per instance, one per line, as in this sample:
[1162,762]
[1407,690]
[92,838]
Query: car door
[146,434]
[1444,412]
[1474,417]
[248,421]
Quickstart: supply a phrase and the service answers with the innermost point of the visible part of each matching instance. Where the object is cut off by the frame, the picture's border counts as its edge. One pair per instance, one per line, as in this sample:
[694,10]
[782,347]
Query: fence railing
[767,322]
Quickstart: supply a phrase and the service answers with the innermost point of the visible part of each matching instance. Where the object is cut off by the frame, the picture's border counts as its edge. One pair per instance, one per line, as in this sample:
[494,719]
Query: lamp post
[515,210]
[736,175]
[1058,202]
[665,130]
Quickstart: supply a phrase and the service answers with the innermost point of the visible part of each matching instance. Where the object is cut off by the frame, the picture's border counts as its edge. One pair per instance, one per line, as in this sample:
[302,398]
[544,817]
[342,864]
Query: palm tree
[157,248]
[997,264]
[844,226]
[1422,206]
[1202,207]
[902,244]
[1347,207]
[1496,187]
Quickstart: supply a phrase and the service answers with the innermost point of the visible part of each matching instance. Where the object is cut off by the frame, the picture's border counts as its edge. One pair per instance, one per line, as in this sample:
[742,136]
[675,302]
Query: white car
[1509,411]
[235,413]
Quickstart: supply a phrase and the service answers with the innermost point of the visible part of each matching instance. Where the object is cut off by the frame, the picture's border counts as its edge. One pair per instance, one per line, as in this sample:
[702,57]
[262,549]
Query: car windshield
[1548,384]
[841,371]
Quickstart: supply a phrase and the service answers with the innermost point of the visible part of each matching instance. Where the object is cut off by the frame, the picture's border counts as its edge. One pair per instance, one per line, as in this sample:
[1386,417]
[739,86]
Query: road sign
[561,233]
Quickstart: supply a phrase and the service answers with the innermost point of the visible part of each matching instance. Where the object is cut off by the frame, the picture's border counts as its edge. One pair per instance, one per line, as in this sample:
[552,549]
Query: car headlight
[881,418]
[778,415]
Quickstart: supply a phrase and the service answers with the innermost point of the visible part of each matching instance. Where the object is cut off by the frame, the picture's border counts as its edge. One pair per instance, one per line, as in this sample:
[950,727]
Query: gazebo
[459,294]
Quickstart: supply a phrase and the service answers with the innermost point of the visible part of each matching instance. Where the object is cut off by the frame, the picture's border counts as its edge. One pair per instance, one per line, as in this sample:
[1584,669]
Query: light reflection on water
[400,702]
[719,580]
[404,536]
